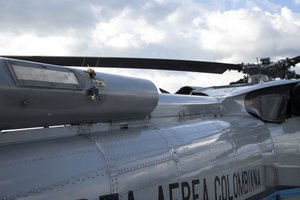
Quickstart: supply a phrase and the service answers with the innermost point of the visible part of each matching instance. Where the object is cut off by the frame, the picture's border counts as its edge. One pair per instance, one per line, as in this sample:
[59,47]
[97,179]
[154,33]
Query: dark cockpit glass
[270,104]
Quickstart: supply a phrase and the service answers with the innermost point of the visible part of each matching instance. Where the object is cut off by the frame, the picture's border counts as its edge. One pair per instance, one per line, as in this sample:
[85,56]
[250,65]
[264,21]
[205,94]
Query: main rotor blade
[296,59]
[136,63]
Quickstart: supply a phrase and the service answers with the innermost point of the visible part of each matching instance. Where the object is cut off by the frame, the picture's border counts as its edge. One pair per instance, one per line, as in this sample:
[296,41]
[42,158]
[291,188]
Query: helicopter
[71,133]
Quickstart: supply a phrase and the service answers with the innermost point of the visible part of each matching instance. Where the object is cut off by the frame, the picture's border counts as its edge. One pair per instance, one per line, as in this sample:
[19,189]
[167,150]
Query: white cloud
[241,33]
[286,22]
[124,40]
[31,44]
[297,1]
[231,31]
[173,81]
[125,31]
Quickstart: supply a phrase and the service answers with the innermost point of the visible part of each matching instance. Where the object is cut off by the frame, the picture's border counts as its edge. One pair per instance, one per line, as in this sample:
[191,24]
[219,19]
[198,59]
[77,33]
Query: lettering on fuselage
[237,185]
[187,190]
[221,187]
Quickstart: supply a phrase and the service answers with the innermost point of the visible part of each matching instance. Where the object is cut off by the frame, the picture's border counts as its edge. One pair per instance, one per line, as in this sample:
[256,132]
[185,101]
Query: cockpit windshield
[271,104]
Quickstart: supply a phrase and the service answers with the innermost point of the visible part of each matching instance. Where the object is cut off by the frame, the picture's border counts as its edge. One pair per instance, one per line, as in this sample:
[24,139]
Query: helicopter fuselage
[233,143]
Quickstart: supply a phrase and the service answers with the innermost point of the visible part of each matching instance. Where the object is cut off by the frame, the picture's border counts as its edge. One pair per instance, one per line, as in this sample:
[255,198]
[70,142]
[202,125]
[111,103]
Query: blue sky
[267,5]
[217,30]
[292,4]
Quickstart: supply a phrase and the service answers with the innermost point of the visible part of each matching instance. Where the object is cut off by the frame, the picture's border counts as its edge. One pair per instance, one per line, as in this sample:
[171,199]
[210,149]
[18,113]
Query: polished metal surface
[139,160]
[139,144]
[103,98]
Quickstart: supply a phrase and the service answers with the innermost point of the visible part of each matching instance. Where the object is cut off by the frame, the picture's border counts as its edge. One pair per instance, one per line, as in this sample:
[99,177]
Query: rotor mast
[267,70]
